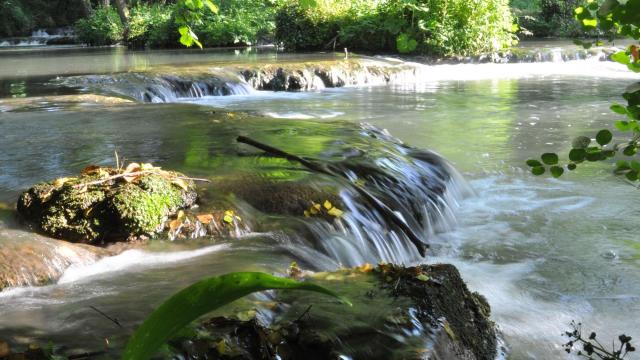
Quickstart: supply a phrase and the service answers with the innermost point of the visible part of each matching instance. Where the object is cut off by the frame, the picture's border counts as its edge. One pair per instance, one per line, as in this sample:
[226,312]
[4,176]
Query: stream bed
[543,251]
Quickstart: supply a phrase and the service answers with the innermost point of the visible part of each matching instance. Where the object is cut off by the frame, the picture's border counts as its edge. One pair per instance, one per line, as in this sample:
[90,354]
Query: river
[543,251]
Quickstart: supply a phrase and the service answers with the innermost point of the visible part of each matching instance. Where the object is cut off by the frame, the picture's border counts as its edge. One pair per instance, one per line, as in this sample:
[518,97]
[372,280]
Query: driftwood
[323,169]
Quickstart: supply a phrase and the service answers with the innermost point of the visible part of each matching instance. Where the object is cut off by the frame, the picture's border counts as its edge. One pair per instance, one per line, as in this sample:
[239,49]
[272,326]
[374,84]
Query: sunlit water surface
[543,251]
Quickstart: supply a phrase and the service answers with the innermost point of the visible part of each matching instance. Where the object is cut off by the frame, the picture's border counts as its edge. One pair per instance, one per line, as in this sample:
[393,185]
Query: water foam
[132,260]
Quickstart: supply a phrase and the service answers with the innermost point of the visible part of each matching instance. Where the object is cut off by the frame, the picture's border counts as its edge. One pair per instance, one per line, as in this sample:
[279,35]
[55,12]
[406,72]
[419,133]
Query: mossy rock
[422,312]
[109,211]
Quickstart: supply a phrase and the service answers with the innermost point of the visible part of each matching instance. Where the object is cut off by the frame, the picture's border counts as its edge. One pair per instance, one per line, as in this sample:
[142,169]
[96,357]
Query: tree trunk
[87,10]
[123,12]
[105,3]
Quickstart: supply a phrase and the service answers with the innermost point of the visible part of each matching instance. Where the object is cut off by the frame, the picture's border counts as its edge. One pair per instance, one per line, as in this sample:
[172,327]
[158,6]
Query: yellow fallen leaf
[306,213]
[132,167]
[313,211]
[422,277]
[205,218]
[90,169]
[180,183]
[181,215]
[61,181]
[175,224]
[317,206]
[221,347]
[366,267]
[448,330]
[335,212]
[327,204]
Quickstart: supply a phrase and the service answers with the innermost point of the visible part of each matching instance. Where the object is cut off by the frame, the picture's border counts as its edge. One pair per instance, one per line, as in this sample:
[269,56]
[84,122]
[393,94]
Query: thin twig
[192,179]
[133,174]
[303,314]
[113,177]
[114,320]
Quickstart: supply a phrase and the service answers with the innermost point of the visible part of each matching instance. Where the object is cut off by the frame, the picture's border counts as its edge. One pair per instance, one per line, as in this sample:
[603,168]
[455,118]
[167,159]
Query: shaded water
[543,251]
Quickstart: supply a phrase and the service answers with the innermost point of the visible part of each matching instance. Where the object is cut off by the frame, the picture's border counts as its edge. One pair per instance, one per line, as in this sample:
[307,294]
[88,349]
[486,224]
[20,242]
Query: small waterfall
[161,88]
[418,185]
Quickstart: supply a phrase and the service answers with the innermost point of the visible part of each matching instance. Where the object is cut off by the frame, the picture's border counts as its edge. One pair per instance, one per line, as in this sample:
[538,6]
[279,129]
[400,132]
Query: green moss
[143,207]
[117,210]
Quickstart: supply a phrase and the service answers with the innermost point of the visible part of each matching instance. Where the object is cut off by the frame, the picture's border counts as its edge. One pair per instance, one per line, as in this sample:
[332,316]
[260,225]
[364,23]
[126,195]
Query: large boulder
[104,204]
[422,312]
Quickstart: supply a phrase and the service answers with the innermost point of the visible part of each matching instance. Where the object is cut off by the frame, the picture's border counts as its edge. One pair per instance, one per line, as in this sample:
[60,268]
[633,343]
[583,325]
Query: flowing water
[543,251]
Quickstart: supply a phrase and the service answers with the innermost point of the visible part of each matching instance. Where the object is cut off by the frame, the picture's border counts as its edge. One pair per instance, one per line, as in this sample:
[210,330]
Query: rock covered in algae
[106,204]
[422,312]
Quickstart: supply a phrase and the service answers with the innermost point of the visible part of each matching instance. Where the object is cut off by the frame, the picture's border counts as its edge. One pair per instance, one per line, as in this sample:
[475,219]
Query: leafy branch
[189,12]
[614,19]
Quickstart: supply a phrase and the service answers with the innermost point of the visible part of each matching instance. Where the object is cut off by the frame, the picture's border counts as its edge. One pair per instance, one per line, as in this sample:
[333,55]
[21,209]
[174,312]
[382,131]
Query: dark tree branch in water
[113,320]
[373,201]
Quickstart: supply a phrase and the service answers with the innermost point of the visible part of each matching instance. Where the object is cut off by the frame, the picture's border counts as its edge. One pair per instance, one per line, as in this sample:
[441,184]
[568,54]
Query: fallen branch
[133,174]
[373,201]
[113,320]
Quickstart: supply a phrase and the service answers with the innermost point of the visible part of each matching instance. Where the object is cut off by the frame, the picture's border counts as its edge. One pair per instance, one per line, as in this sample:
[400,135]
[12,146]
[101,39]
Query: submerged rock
[423,312]
[103,204]
[41,261]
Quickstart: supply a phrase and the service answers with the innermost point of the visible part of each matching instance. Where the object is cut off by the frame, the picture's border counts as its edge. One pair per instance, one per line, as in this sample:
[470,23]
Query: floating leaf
[572,167]
[632,175]
[199,299]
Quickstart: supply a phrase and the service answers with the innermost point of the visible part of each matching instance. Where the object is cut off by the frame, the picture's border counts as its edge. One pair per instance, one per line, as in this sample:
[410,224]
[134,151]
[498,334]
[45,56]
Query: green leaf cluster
[442,28]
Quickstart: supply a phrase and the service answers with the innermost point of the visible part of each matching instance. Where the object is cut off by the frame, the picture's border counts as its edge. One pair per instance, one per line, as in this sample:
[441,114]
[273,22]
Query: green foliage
[103,27]
[544,18]
[151,26]
[238,23]
[197,300]
[434,27]
[21,17]
[614,19]
[165,26]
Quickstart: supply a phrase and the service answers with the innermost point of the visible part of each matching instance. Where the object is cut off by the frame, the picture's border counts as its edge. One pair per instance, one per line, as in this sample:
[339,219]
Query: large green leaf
[200,298]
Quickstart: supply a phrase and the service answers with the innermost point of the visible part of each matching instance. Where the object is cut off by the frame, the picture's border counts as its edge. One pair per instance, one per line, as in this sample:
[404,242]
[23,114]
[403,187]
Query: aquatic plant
[613,19]
[200,298]
[592,348]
